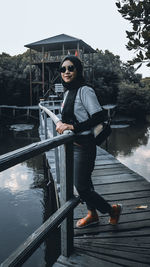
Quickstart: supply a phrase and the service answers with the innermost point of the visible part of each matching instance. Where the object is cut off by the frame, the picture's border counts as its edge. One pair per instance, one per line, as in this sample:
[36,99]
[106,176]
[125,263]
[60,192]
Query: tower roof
[55,43]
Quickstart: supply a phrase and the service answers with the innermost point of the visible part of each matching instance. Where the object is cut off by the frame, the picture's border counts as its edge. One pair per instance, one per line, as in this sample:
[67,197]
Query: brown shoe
[114,218]
[88,220]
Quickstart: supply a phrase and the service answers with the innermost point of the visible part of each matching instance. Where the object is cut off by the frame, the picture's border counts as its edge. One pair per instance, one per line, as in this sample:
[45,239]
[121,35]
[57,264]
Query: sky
[97,22]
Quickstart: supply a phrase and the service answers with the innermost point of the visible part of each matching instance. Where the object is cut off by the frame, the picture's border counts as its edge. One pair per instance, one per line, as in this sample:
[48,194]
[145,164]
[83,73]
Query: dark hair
[78,65]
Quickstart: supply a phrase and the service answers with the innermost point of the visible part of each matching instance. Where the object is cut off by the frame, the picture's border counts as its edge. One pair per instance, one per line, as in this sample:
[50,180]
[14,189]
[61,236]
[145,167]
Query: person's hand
[61,127]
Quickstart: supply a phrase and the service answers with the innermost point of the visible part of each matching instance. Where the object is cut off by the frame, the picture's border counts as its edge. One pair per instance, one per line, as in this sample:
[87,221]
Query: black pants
[84,160]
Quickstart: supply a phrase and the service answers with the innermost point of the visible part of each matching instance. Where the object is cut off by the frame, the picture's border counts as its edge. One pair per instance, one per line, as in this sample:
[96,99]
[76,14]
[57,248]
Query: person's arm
[94,110]
[94,119]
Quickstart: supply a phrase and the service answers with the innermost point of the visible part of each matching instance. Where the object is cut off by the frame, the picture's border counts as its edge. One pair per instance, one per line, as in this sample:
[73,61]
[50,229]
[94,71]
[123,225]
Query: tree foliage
[109,71]
[14,79]
[138,13]
[134,99]
[114,82]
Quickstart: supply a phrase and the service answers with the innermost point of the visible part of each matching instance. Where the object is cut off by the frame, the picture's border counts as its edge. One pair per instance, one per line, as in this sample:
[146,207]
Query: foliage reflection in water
[131,146]
[25,199]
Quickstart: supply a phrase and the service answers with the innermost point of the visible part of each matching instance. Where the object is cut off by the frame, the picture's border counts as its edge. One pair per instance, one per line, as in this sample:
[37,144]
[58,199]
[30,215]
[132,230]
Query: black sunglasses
[70,68]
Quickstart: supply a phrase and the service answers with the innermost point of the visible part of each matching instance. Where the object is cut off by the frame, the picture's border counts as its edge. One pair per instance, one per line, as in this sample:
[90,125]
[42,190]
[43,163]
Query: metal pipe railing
[44,111]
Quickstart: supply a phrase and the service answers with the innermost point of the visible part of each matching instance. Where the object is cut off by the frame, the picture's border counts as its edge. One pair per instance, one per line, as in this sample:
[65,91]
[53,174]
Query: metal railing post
[56,156]
[66,193]
[40,118]
[45,124]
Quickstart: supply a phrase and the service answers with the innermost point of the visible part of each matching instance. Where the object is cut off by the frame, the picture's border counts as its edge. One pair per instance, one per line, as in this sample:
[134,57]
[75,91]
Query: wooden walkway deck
[128,243]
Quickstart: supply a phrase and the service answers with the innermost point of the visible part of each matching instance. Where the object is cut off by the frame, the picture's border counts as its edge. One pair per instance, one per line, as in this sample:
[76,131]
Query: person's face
[68,72]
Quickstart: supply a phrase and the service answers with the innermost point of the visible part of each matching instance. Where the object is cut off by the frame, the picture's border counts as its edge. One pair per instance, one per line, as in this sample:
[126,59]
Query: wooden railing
[64,214]
[18,111]
[53,56]
[45,108]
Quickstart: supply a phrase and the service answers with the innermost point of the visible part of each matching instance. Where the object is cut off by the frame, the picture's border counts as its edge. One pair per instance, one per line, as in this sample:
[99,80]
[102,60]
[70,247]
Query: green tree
[107,74]
[138,13]
[109,71]
[134,99]
[14,79]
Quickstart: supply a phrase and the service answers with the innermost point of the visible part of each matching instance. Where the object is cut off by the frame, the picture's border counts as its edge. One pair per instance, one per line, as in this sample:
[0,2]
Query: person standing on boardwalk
[81,111]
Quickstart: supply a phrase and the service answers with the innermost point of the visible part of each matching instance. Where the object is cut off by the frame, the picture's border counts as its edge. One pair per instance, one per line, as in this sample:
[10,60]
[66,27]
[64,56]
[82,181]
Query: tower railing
[53,56]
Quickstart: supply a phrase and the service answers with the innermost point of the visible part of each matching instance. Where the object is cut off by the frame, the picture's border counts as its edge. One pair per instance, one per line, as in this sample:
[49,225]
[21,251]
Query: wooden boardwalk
[128,243]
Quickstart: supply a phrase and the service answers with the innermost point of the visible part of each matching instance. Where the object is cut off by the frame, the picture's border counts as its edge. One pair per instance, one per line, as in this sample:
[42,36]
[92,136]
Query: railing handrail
[19,155]
[49,113]
[20,107]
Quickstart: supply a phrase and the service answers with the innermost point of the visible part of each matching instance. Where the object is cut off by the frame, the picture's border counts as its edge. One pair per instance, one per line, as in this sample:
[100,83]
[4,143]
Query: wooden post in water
[66,193]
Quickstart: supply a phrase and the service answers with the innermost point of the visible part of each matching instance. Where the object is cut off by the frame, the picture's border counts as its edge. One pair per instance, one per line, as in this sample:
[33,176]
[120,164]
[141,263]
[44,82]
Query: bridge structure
[126,244]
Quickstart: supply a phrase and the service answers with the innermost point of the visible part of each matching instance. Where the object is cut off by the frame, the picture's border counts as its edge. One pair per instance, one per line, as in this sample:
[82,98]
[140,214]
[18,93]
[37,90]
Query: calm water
[24,197]
[131,146]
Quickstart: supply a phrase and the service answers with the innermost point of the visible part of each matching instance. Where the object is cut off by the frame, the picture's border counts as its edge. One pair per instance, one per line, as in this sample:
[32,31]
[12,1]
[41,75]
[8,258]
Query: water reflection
[21,208]
[25,199]
[17,178]
[132,147]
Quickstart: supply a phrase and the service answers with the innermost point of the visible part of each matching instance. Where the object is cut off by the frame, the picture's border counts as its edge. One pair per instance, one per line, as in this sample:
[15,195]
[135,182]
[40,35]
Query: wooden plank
[129,237]
[126,221]
[112,260]
[114,245]
[130,216]
[132,186]
[107,162]
[79,259]
[117,253]
[110,171]
[58,264]
[129,206]
[101,151]
[126,195]
[108,228]
[125,177]
[115,165]
[105,156]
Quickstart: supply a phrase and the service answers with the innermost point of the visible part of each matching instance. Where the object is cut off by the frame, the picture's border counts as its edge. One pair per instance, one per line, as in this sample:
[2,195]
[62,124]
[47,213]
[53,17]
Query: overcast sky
[96,22]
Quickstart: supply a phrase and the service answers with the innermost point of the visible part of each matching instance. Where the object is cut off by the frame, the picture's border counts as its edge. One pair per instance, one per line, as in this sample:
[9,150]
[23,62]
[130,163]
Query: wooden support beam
[30,79]
[43,74]
[66,187]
